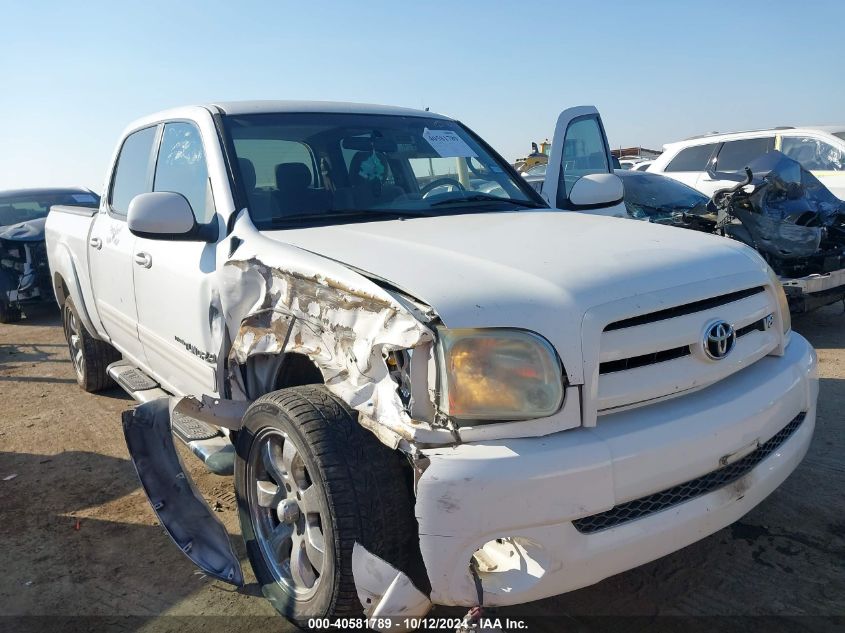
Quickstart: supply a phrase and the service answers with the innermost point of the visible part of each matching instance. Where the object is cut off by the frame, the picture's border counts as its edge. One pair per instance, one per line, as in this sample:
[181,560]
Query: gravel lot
[79,539]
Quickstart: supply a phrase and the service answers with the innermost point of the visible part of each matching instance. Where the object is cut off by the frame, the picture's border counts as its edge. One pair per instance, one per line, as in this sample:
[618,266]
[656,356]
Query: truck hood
[31,231]
[539,270]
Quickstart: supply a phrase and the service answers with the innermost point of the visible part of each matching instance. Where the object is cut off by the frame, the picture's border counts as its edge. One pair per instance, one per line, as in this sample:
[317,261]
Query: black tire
[89,356]
[362,485]
[8,313]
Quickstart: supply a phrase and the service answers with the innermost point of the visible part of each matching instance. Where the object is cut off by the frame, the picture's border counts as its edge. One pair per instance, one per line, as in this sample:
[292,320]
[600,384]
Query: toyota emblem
[719,340]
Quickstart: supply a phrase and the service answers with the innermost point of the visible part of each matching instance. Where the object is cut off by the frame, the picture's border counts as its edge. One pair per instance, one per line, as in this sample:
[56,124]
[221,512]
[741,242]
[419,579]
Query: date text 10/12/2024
[429,623]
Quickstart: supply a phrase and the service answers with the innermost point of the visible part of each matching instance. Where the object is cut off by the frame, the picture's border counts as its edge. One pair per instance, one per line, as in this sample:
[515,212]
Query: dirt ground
[79,539]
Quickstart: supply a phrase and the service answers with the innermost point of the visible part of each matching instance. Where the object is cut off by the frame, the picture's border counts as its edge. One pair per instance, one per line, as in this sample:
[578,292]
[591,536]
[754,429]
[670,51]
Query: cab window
[692,158]
[735,155]
[132,174]
[181,168]
[813,154]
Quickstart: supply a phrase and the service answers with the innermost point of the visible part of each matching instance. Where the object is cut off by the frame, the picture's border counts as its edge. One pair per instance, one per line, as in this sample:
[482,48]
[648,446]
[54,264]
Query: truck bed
[67,233]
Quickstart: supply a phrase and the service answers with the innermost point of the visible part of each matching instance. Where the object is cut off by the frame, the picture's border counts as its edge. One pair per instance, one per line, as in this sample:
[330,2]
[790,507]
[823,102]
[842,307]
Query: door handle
[96,242]
[143,259]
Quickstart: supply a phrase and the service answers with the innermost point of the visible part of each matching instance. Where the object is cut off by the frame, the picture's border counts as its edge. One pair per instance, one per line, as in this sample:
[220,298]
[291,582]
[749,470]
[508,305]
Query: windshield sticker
[372,168]
[83,197]
[448,144]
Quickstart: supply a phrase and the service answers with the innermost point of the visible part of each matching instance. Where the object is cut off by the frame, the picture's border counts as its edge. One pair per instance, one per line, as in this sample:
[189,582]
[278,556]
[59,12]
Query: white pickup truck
[433,386]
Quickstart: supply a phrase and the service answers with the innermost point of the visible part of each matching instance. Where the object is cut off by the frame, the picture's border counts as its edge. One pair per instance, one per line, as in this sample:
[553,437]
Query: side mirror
[164,215]
[596,190]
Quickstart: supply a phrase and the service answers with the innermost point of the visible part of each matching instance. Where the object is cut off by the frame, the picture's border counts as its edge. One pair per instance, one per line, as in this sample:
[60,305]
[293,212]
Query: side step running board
[135,382]
[204,440]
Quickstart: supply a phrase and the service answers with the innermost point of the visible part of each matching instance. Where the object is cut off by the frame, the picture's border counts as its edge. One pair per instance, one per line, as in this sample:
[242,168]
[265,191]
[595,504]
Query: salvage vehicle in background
[428,393]
[820,150]
[790,218]
[794,221]
[24,272]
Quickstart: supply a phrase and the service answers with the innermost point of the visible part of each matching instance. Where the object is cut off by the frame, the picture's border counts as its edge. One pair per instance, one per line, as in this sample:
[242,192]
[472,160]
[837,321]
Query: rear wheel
[311,482]
[90,357]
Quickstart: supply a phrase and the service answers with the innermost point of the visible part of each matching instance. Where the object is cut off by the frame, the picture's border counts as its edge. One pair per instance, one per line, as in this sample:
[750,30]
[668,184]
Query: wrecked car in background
[781,210]
[433,385]
[24,272]
[794,222]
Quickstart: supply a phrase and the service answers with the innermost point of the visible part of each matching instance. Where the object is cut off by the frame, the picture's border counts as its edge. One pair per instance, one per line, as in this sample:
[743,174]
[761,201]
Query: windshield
[298,169]
[654,196]
[33,206]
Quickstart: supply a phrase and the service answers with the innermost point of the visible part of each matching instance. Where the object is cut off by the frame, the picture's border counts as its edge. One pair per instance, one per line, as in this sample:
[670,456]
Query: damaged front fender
[178,504]
[345,324]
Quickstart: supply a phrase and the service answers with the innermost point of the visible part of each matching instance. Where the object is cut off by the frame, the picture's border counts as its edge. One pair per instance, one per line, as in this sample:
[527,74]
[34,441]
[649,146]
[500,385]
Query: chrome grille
[655,355]
[670,354]
[646,506]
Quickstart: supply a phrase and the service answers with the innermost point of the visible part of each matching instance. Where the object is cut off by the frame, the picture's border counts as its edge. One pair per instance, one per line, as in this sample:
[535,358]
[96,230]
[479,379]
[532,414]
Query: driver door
[579,147]
[178,318]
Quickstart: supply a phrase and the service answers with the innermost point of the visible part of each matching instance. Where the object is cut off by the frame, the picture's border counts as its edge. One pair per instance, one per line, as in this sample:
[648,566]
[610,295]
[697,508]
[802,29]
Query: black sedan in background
[657,198]
[24,273]
[654,198]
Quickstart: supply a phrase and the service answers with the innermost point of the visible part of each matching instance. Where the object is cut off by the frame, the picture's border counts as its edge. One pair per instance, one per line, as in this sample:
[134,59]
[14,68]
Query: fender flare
[65,270]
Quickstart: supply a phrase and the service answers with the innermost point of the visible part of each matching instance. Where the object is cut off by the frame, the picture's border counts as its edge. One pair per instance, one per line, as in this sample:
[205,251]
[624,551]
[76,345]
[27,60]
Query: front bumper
[814,291]
[528,492]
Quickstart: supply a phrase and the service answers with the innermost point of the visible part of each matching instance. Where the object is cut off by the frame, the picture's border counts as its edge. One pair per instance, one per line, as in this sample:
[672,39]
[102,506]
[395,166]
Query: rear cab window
[692,158]
[735,155]
[132,174]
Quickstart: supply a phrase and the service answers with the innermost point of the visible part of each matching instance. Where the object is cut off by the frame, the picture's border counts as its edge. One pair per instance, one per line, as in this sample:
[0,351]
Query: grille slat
[688,308]
[659,501]
[633,362]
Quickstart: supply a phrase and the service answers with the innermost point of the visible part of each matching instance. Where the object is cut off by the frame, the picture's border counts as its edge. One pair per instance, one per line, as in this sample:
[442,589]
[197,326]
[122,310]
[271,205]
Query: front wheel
[311,482]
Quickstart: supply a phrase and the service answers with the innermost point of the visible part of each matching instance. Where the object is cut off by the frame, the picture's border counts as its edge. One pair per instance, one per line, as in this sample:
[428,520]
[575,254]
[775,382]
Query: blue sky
[74,76]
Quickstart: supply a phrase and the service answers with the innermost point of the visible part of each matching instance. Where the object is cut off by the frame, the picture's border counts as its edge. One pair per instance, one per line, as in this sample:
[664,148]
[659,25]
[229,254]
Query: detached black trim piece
[178,504]
[688,308]
[659,501]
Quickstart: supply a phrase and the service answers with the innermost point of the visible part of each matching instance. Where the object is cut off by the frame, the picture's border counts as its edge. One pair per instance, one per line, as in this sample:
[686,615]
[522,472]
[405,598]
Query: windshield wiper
[483,197]
[399,213]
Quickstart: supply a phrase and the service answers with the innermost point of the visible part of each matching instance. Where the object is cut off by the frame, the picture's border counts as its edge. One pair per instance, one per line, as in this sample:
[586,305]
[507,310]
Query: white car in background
[633,162]
[820,150]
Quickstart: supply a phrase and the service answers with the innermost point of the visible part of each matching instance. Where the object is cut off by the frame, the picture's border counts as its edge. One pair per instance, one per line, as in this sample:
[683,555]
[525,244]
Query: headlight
[783,302]
[498,374]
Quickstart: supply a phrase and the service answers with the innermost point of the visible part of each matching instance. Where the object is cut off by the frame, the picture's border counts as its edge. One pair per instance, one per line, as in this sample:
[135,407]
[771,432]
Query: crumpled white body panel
[339,319]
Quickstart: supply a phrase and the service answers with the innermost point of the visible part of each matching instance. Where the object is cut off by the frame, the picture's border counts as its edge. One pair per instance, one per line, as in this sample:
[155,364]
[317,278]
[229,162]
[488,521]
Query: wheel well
[60,288]
[270,372]
[296,370]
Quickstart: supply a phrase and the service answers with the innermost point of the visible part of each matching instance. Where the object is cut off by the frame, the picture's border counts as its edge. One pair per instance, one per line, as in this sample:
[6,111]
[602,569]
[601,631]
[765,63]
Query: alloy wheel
[73,334]
[287,513]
